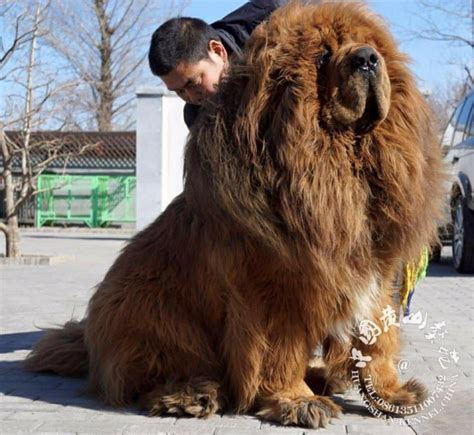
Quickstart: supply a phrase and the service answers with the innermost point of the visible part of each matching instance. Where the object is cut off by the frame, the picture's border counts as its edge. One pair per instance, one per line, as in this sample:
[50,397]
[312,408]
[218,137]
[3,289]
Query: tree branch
[18,40]
[3,228]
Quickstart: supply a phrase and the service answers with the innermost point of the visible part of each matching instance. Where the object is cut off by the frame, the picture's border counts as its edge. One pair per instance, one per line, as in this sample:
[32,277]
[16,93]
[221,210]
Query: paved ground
[34,296]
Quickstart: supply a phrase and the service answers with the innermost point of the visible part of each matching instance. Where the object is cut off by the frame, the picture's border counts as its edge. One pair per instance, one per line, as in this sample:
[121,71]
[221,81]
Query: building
[94,188]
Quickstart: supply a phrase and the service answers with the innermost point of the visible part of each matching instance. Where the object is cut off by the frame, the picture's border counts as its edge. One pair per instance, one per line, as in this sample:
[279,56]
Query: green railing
[95,201]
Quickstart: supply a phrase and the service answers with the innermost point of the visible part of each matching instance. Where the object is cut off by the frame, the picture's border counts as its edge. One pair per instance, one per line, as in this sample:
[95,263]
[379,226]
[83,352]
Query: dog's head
[338,60]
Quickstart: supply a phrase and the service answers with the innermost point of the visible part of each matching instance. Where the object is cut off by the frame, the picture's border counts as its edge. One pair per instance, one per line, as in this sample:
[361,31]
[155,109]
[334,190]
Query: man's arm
[235,28]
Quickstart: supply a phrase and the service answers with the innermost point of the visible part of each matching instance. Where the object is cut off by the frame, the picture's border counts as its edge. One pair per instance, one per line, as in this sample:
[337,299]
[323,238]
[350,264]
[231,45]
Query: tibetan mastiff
[304,192]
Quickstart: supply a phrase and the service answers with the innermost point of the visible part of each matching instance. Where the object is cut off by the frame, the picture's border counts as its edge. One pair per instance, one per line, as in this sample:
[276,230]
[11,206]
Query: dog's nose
[365,59]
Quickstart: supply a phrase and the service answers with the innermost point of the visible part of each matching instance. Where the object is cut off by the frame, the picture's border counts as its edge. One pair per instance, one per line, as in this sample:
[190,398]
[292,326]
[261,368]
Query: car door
[463,152]
[460,155]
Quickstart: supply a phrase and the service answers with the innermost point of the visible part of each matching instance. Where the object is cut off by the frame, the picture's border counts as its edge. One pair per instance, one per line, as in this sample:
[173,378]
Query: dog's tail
[60,350]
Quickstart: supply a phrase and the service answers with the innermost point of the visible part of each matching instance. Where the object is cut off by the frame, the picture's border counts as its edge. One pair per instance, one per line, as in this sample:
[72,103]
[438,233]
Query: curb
[35,260]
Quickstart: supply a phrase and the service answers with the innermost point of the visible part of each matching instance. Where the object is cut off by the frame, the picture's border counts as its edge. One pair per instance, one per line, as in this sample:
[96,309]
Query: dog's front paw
[311,412]
[200,399]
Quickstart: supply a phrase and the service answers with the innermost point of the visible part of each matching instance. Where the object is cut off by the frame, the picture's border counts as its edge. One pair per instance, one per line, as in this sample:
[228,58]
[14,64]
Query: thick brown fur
[307,184]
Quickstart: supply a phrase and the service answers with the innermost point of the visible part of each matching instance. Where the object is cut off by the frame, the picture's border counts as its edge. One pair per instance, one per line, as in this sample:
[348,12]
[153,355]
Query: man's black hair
[177,40]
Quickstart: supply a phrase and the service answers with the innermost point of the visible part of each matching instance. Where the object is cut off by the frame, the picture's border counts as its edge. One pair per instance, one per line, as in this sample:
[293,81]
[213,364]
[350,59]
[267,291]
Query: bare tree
[444,101]
[20,35]
[21,163]
[438,17]
[450,23]
[103,45]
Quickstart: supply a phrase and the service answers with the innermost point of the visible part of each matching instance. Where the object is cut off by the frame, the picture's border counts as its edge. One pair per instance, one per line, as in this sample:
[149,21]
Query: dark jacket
[235,29]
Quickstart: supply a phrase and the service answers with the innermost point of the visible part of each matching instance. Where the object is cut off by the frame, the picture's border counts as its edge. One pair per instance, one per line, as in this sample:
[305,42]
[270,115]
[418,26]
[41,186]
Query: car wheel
[463,237]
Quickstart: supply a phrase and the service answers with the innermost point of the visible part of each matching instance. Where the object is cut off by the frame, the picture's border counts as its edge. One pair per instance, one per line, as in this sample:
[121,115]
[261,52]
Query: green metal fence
[95,201]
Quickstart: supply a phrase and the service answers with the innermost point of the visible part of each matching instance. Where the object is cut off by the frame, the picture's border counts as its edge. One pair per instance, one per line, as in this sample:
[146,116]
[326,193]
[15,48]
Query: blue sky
[434,63]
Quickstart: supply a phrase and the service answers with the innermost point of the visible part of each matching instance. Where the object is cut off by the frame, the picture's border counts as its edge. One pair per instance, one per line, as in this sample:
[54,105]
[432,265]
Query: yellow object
[412,274]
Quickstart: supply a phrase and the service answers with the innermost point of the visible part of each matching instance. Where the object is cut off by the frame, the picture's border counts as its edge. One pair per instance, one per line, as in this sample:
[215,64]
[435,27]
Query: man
[191,57]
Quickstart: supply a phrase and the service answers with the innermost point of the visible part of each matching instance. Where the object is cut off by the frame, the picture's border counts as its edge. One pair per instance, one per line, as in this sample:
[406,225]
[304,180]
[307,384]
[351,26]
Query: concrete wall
[161,136]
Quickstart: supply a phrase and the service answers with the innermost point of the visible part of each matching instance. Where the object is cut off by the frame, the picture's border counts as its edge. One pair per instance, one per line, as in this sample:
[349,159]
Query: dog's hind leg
[200,397]
[377,373]
[379,379]
[330,374]
[370,368]
[322,382]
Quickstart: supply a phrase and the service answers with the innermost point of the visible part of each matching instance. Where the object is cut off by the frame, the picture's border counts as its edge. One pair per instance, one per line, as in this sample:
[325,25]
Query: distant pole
[161,136]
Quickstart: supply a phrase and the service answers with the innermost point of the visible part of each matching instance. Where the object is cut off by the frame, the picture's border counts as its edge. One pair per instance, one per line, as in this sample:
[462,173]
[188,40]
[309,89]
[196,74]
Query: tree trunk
[105,85]
[10,228]
[12,232]
[12,238]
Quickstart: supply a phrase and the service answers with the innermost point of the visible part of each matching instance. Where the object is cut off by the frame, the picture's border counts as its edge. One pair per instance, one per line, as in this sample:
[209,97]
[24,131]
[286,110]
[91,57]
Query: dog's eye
[323,57]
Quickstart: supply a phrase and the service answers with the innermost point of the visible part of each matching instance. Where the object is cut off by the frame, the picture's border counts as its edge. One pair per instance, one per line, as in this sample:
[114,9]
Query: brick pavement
[34,296]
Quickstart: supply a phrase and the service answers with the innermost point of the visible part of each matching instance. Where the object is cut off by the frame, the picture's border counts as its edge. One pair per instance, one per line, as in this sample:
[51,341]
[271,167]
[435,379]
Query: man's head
[189,57]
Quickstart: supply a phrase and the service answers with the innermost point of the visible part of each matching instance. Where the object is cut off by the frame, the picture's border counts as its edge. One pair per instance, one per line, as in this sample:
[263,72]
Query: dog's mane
[263,155]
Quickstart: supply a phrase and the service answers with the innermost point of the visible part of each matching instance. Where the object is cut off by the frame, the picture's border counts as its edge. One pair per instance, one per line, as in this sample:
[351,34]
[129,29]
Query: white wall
[161,136]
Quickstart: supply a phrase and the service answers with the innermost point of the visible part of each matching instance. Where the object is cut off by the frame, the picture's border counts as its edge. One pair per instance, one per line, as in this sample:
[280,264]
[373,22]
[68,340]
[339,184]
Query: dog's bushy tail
[60,350]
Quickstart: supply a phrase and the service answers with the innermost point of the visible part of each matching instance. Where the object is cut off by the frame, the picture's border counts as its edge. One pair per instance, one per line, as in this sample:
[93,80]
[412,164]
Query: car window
[461,122]
[447,140]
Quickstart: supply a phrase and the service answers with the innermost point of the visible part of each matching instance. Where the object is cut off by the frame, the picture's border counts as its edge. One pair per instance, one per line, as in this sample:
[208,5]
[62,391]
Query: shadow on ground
[16,382]
[66,391]
[19,341]
[445,268]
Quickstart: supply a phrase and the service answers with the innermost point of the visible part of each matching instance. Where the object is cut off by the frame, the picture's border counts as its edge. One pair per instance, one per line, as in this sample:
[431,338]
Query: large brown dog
[310,179]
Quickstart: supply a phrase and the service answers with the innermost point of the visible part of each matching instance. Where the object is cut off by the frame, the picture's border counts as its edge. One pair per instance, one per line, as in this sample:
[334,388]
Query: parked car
[458,146]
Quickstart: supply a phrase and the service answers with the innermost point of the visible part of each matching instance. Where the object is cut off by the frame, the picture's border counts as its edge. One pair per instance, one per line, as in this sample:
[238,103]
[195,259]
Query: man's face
[196,82]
